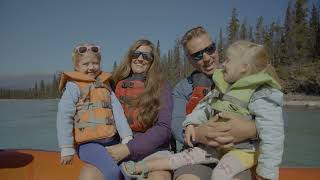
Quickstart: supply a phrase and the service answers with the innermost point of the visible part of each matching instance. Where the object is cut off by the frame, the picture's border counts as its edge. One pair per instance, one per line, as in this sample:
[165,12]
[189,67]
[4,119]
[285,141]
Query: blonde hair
[76,56]
[254,55]
[148,102]
[192,33]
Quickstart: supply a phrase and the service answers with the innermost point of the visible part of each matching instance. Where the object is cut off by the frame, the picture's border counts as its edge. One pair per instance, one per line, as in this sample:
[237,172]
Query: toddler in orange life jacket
[100,117]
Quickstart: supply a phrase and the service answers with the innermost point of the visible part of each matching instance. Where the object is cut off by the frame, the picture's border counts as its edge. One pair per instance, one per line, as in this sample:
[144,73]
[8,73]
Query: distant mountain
[23,81]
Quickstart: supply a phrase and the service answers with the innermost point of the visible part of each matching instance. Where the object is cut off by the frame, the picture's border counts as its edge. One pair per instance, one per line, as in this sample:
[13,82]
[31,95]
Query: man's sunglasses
[145,55]
[84,49]
[197,56]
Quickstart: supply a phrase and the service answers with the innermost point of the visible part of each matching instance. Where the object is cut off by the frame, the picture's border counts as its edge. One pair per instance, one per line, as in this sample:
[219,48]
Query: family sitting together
[226,119]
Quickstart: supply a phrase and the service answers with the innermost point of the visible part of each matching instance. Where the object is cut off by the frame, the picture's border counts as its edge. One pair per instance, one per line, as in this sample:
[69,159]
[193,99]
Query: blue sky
[37,36]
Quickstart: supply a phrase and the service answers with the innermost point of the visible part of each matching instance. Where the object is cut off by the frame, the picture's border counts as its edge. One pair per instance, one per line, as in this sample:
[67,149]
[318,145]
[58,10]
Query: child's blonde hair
[76,56]
[254,55]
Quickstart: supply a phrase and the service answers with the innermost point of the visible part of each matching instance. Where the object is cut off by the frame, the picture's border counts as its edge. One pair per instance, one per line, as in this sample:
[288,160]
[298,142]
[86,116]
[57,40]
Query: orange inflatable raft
[45,165]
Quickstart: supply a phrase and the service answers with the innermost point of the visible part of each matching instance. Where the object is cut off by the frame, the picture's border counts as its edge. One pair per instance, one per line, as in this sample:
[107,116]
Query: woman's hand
[118,152]
[189,135]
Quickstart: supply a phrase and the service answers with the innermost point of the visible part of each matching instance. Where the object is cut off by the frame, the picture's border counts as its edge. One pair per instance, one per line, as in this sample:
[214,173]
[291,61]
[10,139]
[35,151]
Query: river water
[31,124]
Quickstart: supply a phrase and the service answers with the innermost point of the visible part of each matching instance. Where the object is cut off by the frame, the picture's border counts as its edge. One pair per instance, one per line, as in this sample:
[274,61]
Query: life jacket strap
[93,123]
[235,100]
[210,96]
[95,105]
[214,94]
[99,84]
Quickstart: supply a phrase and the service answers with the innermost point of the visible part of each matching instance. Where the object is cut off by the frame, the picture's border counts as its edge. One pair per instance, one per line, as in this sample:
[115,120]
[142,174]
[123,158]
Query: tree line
[293,45]
[40,90]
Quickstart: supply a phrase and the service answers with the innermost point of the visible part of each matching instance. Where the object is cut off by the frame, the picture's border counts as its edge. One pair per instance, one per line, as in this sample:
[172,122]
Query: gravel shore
[302,100]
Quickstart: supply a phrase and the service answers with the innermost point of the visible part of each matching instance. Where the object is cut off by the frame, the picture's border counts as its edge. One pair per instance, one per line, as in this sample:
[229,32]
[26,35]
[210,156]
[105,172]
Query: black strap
[200,79]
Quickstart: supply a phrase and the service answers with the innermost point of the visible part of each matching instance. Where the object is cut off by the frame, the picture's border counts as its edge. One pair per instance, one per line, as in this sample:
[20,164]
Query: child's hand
[118,152]
[190,135]
[66,160]
[79,104]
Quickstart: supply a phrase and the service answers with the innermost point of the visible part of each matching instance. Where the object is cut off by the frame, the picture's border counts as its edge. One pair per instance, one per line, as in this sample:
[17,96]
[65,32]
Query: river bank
[289,100]
[302,100]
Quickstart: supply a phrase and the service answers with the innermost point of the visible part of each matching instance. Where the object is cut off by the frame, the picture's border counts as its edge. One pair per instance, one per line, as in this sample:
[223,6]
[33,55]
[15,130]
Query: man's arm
[241,129]
[224,134]
[180,96]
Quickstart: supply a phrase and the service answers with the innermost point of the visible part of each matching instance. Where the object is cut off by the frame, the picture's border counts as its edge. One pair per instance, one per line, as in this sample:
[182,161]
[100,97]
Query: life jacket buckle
[205,91]
[88,106]
[220,95]
[98,84]
[106,105]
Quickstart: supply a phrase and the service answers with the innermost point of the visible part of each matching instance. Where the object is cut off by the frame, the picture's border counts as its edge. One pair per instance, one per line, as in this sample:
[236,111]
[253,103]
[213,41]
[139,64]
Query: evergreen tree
[158,48]
[114,66]
[259,30]
[233,27]
[267,40]
[277,32]
[30,93]
[177,63]
[47,90]
[288,48]
[42,89]
[250,34]
[300,32]
[318,43]
[35,91]
[314,30]
[243,30]
[164,65]
[54,87]
[58,74]
[221,46]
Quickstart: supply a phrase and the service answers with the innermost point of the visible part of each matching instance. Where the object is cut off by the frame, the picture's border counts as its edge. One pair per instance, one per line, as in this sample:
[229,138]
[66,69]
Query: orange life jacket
[127,90]
[201,87]
[95,119]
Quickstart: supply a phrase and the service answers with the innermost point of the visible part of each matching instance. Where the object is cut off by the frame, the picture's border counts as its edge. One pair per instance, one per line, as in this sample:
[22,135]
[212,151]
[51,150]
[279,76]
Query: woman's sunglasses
[84,49]
[145,55]
[197,56]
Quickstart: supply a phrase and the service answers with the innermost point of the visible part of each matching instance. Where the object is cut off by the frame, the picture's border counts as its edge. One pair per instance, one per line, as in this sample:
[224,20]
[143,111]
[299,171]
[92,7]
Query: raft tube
[40,165]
